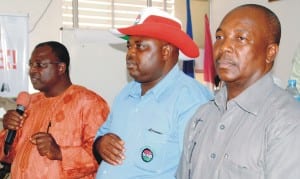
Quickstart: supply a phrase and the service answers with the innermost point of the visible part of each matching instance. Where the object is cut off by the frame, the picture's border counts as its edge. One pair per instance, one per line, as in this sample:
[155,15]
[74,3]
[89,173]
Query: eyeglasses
[41,65]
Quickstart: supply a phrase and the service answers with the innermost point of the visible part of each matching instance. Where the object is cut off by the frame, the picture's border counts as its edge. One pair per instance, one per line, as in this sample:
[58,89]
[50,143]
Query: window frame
[120,12]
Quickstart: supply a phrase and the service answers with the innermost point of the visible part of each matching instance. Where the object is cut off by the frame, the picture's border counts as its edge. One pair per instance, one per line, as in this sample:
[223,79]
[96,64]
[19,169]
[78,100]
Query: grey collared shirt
[253,136]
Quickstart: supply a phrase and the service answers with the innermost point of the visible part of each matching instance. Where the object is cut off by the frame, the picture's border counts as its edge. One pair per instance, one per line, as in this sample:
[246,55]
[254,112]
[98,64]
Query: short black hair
[59,50]
[274,25]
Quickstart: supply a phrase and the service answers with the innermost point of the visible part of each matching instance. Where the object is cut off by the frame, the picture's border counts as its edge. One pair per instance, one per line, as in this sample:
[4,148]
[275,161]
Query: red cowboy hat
[158,24]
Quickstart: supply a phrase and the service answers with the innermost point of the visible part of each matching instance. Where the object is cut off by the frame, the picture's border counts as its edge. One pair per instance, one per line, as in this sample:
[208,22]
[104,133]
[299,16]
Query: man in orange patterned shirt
[55,135]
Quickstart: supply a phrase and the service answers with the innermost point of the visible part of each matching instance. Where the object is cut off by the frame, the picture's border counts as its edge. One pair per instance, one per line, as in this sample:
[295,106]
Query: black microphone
[23,100]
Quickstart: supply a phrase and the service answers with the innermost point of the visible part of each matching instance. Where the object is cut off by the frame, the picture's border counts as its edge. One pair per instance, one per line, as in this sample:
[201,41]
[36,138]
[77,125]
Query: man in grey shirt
[251,130]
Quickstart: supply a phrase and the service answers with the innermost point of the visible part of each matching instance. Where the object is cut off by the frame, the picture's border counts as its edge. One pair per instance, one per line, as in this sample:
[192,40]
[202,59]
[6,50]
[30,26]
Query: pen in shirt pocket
[155,131]
[48,127]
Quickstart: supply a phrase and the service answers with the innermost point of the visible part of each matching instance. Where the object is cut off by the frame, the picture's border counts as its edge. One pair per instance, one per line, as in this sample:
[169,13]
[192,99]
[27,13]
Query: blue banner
[188,65]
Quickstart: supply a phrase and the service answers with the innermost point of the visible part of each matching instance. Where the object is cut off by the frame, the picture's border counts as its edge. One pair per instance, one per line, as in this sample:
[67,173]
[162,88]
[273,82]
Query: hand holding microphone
[12,120]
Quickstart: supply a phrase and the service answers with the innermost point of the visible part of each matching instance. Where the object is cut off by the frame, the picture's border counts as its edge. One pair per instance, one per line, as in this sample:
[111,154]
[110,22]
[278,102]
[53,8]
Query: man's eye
[37,65]
[141,46]
[218,37]
[138,46]
[42,65]
[241,38]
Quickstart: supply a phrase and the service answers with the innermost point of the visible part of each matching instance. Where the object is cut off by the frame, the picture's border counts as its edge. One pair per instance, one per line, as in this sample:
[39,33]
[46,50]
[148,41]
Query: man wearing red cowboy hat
[143,135]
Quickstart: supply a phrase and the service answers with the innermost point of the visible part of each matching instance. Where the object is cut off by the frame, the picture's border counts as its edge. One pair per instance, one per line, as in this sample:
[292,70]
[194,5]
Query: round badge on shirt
[147,154]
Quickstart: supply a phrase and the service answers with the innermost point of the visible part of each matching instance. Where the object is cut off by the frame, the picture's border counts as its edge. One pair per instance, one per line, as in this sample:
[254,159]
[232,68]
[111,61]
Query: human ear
[166,51]
[61,68]
[272,51]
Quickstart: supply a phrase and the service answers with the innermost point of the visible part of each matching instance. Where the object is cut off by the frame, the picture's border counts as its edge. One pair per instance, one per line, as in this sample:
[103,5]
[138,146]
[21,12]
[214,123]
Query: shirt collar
[160,87]
[250,98]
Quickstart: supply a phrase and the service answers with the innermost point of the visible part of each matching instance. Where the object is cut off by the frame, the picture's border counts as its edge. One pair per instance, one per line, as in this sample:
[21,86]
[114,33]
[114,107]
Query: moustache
[225,61]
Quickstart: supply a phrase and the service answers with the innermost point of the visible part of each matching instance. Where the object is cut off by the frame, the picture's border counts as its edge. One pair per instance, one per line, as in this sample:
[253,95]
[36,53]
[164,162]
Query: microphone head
[23,99]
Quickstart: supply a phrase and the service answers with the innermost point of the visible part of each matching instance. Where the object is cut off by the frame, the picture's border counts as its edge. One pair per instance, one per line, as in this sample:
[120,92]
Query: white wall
[95,62]
[47,28]
[288,14]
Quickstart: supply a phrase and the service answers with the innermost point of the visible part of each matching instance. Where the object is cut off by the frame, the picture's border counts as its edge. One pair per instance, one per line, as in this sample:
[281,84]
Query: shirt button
[226,155]
[222,126]
[213,155]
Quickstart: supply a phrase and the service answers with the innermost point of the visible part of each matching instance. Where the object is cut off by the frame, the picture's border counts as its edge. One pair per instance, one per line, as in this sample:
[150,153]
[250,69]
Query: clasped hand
[45,143]
[111,149]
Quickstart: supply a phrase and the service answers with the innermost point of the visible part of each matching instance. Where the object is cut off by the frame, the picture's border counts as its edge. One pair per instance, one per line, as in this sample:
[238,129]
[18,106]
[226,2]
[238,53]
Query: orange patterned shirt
[75,116]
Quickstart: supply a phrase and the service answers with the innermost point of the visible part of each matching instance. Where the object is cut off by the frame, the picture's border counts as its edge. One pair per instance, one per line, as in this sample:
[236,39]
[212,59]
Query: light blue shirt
[152,126]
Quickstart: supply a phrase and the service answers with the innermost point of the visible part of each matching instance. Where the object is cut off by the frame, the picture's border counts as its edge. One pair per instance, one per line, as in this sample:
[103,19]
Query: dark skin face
[243,53]
[148,60]
[49,78]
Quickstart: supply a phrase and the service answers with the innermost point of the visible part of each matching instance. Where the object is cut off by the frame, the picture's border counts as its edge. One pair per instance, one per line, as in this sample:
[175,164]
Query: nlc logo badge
[147,155]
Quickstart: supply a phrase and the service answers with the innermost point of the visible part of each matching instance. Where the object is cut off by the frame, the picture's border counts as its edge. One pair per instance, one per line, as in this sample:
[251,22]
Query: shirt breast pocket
[150,154]
[231,169]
